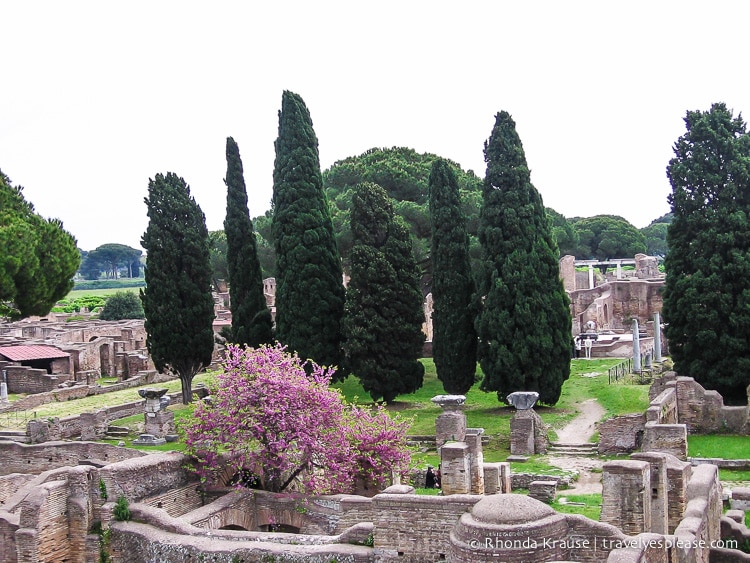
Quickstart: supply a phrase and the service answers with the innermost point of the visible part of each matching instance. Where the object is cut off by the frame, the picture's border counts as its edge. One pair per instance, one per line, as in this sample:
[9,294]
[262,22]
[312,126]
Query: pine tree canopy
[38,260]
[309,276]
[177,299]
[251,318]
[524,326]
[454,340]
[707,293]
[384,314]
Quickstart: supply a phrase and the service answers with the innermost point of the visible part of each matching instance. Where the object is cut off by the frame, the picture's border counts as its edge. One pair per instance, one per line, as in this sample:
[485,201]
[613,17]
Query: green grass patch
[734,475]
[78,293]
[585,505]
[725,446]
[427,492]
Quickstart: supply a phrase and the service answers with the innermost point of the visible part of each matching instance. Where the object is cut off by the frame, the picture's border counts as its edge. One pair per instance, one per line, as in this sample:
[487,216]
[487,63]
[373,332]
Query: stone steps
[587,449]
[117,431]
[14,436]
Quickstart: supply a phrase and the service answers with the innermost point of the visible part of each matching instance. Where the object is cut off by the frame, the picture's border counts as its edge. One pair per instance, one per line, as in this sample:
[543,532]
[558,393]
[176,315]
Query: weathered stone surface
[449,400]
[523,400]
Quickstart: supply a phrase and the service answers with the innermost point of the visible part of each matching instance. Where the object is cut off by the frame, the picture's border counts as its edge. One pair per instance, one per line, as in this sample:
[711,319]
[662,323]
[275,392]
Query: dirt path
[582,427]
[579,431]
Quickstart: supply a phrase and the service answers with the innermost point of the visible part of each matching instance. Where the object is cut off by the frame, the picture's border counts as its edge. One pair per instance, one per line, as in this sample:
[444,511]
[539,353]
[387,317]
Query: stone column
[657,337]
[159,422]
[450,425]
[522,425]
[591,276]
[568,272]
[636,348]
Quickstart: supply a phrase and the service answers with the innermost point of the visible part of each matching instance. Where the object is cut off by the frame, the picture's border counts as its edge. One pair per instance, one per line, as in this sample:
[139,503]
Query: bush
[121,510]
[122,305]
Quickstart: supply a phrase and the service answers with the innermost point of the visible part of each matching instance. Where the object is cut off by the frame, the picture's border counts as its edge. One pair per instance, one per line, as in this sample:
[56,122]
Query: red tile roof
[38,352]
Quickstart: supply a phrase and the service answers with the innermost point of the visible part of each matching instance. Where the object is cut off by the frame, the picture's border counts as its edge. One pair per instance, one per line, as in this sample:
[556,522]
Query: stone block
[544,491]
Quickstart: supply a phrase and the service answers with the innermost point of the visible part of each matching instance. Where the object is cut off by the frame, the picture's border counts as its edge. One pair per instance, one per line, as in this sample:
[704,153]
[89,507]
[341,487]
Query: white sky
[97,97]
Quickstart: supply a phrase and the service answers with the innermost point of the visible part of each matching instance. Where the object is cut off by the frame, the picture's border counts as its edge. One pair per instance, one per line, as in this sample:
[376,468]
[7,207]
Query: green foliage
[384,315]
[251,318]
[707,293]
[110,258]
[121,510]
[563,232]
[108,284]
[122,305]
[524,323]
[102,490]
[607,236]
[309,277]
[404,175]
[76,304]
[217,247]
[454,340]
[177,299]
[39,257]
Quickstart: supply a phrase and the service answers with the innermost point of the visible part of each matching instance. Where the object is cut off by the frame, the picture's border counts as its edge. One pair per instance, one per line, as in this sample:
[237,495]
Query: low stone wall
[37,458]
[701,522]
[703,411]
[621,434]
[22,379]
[414,528]
[523,480]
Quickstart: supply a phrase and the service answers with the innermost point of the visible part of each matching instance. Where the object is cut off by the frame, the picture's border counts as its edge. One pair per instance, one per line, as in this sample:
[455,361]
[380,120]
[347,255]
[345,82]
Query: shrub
[122,305]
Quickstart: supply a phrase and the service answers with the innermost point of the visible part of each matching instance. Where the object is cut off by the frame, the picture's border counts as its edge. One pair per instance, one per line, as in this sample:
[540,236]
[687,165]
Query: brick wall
[621,434]
[414,528]
[37,458]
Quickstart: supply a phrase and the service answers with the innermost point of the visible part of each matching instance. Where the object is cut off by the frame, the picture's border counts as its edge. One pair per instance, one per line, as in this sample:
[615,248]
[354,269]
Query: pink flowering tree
[378,444]
[287,428]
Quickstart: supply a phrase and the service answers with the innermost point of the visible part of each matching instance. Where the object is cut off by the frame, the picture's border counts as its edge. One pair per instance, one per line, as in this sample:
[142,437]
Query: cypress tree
[309,278]
[707,292]
[524,327]
[251,318]
[384,315]
[454,340]
[177,299]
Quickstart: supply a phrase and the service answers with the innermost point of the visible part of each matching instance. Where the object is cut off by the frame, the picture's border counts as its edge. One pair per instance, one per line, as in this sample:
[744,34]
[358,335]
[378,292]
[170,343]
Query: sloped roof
[32,352]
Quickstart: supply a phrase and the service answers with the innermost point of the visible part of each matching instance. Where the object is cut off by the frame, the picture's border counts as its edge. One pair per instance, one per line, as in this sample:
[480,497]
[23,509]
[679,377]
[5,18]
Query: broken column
[450,425]
[159,421]
[525,425]
[4,389]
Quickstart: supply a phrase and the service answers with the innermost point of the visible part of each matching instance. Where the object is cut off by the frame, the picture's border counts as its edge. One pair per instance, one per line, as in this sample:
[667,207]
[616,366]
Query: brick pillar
[568,272]
[455,468]
[626,496]
[659,489]
[476,459]
[522,432]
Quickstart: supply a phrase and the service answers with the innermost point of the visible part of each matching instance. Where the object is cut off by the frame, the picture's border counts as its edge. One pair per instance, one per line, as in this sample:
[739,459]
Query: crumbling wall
[37,458]
[621,434]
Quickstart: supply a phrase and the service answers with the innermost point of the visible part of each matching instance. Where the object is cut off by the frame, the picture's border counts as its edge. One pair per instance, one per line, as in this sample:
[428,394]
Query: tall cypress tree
[309,278]
[251,318]
[177,299]
[707,292]
[384,315]
[454,340]
[524,327]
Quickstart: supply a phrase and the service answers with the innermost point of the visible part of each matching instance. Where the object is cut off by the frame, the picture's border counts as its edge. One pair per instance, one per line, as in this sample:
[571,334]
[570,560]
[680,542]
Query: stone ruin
[55,496]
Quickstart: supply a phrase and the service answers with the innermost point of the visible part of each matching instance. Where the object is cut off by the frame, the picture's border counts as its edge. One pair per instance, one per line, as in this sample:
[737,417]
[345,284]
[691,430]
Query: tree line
[371,328]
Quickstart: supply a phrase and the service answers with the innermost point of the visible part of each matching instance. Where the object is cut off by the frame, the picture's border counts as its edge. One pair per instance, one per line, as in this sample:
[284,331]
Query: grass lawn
[724,446]
[588,379]
[586,505]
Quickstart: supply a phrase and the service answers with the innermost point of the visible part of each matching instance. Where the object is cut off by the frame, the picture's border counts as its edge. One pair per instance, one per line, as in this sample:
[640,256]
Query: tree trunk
[187,391]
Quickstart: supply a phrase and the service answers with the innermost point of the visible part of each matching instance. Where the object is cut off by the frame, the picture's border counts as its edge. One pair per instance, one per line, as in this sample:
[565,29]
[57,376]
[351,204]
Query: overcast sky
[98,97]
